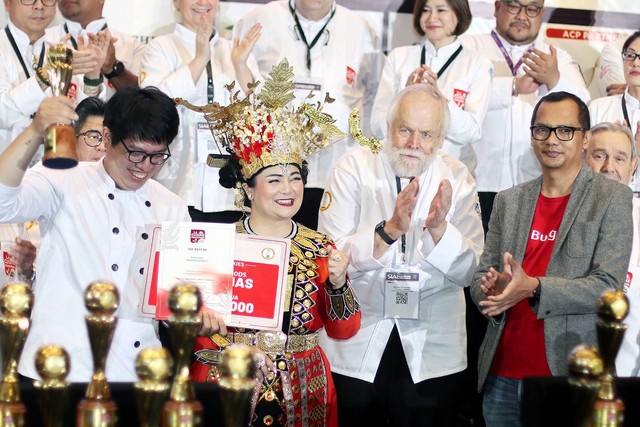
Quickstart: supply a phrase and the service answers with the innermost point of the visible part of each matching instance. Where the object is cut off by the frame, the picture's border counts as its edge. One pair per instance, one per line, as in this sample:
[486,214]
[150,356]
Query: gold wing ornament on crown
[356,132]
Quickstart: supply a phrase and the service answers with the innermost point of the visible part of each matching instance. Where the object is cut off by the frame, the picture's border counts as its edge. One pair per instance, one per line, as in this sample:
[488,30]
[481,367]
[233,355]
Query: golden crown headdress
[264,130]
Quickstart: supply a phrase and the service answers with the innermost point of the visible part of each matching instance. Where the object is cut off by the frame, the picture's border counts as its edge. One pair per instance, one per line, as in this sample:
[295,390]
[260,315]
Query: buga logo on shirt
[460,97]
[351,75]
[536,235]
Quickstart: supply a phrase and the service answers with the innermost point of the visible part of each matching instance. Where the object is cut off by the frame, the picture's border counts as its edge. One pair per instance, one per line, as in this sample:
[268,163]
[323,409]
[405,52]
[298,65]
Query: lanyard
[304,38]
[19,55]
[514,68]
[209,83]
[625,112]
[73,41]
[446,64]
[403,238]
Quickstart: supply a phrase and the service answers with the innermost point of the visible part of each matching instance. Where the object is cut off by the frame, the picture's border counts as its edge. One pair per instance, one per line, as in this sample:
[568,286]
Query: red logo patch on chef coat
[459,97]
[197,235]
[351,75]
[73,89]
[627,282]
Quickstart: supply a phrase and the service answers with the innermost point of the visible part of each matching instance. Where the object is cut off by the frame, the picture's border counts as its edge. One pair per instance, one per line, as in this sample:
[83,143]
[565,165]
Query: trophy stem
[53,404]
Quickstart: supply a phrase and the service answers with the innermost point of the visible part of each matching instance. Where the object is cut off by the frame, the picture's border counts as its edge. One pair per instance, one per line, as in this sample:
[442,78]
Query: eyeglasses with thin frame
[47,3]
[630,56]
[93,138]
[514,8]
[563,133]
[140,156]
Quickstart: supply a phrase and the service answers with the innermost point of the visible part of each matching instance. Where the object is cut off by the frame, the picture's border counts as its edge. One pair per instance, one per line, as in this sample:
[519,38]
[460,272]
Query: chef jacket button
[136,344]
[141,270]
[144,236]
[111,196]
[115,230]
[148,203]
[114,267]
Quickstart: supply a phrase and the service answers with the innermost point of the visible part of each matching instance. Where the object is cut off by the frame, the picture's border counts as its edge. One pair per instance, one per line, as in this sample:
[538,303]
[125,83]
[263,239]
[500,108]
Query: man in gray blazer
[554,244]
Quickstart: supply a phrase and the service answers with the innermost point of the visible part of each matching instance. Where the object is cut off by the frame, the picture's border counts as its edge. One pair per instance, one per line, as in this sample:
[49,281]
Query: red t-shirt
[521,351]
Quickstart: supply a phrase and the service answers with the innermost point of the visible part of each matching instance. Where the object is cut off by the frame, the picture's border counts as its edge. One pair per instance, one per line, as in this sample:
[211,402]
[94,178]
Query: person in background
[411,213]
[332,50]
[525,70]
[195,63]
[611,80]
[88,129]
[462,75]
[612,152]
[120,64]
[554,245]
[23,48]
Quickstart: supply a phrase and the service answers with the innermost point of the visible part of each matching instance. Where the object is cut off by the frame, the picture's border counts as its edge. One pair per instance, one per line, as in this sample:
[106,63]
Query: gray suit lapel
[528,201]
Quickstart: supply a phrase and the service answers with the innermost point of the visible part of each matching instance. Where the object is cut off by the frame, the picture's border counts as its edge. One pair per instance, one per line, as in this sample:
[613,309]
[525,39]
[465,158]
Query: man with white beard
[409,220]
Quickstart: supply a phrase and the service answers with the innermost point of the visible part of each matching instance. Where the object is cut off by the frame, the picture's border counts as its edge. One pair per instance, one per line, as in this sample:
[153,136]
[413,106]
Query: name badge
[402,294]
[206,144]
[307,84]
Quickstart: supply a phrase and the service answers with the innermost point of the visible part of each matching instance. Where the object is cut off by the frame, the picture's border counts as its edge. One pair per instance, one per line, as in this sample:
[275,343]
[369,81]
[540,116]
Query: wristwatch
[118,68]
[383,234]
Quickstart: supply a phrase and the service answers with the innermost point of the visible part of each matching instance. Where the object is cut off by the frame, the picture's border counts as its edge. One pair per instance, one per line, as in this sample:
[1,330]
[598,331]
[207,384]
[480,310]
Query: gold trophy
[585,367]
[52,393]
[59,139]
[154,367]
[238,385]
[16,300]
[182,409]
[613,307]
[97,409]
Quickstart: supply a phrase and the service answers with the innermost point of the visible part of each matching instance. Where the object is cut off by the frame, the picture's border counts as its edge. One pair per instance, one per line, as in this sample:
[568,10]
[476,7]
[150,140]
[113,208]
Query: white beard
[403,166]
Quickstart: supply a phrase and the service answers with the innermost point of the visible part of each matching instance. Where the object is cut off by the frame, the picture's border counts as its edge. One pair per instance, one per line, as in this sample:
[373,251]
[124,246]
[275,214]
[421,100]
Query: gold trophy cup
[238,385]
[52,393]
[182,409]
[59,139]
[97,409]
[585,367]
[16,300]
[154,367]
[613,307]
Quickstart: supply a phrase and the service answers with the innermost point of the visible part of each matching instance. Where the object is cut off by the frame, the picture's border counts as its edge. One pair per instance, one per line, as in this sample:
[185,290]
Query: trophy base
[182,414]
[13,414]
[60,147]
[96,413]
[609,413]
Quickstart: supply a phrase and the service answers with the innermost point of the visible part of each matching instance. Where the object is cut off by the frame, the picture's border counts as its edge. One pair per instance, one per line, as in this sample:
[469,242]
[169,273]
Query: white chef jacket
[89,232]
[128,48]
[346,62]
[628,359]
[20,96]
[505,156]
[466,83]
[609,109]
[165,65]
[360,193]
[610,69]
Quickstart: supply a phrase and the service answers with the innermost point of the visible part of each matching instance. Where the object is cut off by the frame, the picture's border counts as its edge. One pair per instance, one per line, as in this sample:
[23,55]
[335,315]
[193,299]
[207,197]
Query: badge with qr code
[402,294]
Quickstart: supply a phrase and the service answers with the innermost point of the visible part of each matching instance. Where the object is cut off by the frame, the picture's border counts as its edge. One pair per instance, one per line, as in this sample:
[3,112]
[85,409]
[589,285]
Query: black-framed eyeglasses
[630,56]
[140,156]
[92,138]
[563,133]
[514,8]
[47,3]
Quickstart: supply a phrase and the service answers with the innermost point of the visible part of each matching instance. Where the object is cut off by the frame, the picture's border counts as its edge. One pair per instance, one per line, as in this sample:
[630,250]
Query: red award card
[259,282]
